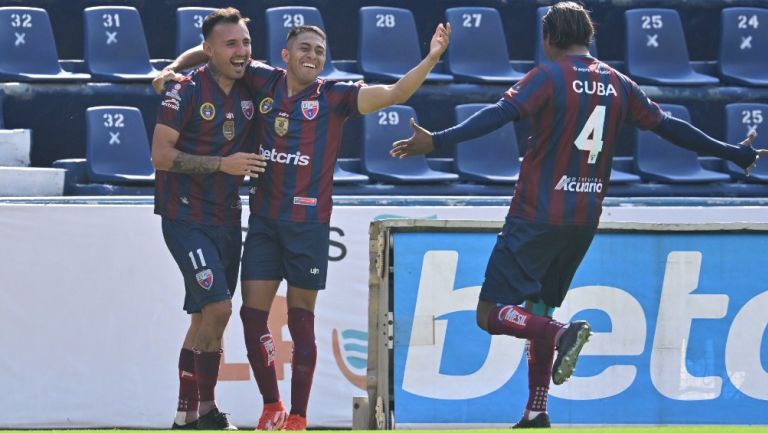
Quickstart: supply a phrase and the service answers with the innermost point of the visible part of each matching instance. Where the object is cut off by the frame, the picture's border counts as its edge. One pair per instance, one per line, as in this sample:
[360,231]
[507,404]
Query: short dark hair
[568,23]
[225,15]
[296,31]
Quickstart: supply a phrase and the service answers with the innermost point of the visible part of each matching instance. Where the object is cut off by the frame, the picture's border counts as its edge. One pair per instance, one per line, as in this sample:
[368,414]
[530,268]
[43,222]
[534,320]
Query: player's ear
[284,55]
[207,49]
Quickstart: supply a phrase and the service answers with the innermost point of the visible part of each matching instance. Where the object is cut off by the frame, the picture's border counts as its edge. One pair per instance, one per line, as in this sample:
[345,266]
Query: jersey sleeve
[530,94]
[642,113]
[178,101]
[258,74]
[343,97]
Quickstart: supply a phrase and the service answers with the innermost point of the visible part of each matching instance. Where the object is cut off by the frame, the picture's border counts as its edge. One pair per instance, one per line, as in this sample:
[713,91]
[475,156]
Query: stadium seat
[388,44]
[622,177]
[115,45]
[539,54]
[744,46]
[739,120]
[656,50]
[117,148]
[658,160]
[189,25]
[27,47]
[478,49]
[380,130]
[279,22]
[341,176]
[492,158]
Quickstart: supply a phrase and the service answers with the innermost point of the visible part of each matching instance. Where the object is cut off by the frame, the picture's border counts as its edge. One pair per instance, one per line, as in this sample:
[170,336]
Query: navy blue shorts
[534,261]
[296,252]
[208,257]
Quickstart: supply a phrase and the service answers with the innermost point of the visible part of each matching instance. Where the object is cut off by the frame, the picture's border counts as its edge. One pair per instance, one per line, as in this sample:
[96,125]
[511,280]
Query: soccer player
[577,106]
[300,120]
[201,154]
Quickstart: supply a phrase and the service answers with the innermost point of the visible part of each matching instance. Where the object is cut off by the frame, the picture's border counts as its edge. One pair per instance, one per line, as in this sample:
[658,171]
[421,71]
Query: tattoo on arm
[195,164]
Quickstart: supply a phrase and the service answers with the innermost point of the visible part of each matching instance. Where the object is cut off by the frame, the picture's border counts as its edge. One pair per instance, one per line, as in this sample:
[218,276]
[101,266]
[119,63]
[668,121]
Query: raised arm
[374,98]
[683,134]
[166,157]
[190,58]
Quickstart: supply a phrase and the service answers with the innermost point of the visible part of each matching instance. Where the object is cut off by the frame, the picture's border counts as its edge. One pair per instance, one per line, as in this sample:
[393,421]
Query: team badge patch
[247,107]
[229,129]
[309,109]
[207,111]
[281,125]
[205,279]
[265,106]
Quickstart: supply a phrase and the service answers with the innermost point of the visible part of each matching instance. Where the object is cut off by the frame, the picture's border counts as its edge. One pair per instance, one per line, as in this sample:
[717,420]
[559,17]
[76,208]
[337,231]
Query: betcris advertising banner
[679,322]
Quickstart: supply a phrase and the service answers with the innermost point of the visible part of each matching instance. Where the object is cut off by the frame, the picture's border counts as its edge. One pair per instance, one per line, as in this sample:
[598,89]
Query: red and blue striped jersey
[300,136]
[577,107]
[211,123]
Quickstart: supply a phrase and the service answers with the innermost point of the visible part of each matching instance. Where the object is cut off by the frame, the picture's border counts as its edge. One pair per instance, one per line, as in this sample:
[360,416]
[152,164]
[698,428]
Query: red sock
[540,356]
[521,323]
[261,352]
[301,324]
[188,400]
[207,372]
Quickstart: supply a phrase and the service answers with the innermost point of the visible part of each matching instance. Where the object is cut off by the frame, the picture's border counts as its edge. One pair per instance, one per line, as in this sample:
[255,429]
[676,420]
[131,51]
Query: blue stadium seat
[744,46]
[539,56]
[341,176]
[492,158]
[189,27]
[380,130]
[388,44]
[739,120]
[27,47]
[478,49]
[117,149]
[279,22]
[656,50]
[658,160]
[115,45]
[622,177]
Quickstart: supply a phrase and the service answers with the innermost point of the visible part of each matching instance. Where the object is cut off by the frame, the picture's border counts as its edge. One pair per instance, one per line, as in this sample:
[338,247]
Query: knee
[218,312]
[482,319]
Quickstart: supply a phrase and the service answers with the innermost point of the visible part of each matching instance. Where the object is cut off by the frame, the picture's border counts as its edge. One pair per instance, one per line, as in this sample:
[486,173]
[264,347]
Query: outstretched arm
[192,57]
[483,122]
[374,98]
[683,134]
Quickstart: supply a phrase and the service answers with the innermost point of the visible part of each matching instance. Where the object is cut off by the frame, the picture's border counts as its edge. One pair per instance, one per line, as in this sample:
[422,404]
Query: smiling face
[304,56]
[229,48]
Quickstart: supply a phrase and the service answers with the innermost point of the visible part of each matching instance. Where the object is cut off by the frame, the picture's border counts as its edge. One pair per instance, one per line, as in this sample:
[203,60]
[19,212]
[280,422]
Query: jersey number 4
[590,138]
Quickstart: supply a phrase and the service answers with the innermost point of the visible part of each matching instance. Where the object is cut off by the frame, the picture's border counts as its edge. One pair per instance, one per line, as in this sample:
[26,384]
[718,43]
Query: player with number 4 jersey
[577,105]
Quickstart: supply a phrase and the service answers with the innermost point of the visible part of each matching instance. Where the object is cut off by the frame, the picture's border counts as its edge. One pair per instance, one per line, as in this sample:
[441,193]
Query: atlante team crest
[207,111]
[247,107]
[205,279]
[310,109]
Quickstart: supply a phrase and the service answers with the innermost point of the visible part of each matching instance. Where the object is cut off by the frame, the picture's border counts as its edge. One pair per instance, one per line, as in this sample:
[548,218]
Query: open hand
[166,75]
[760,152]
[419,143]
[243,164]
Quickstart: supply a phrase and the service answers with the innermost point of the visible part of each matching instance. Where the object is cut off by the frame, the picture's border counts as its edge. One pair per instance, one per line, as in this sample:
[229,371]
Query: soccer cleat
[295,423]
[539,421]
[273,417]
[188,426]
[568,348]
[214,420]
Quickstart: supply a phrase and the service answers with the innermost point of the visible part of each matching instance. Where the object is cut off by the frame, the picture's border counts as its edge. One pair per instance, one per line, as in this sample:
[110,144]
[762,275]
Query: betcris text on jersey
[679,332]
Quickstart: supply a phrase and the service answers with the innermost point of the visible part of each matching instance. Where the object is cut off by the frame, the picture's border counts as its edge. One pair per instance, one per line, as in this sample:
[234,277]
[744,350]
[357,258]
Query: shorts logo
[512,317]
[207,111]
[305,201]
[268,349]
[247,107]
[228,129]
[265,106]
[314,271]
[310,109]
[205,279]
[281,125]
